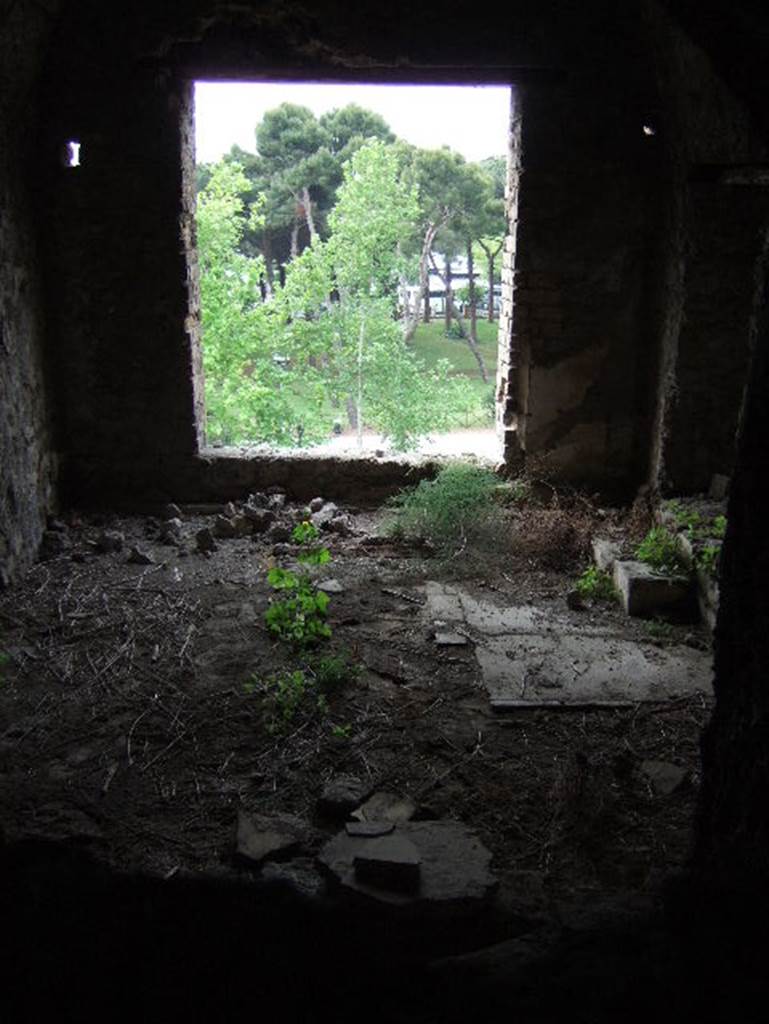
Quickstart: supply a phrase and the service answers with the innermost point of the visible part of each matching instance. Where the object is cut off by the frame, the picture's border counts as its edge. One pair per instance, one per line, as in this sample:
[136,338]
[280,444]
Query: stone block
[647,594]
[390,862]
[605,552]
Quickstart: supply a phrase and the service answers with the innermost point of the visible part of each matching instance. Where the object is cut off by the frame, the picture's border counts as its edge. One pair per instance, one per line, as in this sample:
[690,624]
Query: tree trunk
[295,239]
[411,317]
[448,311]
[307,206]
[427,309]
[490,257]
[269,271]
[471,343]
[471,290]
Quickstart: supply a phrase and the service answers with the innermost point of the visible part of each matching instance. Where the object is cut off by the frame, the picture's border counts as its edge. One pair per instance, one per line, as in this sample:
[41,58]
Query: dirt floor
[133,721]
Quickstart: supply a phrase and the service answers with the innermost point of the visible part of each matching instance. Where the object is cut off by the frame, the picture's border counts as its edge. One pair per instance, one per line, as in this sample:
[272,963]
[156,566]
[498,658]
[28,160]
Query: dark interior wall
[27,483]
[713,245]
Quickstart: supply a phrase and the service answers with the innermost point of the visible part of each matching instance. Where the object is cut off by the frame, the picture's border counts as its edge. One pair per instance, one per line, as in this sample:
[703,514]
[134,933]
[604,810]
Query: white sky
[472,120]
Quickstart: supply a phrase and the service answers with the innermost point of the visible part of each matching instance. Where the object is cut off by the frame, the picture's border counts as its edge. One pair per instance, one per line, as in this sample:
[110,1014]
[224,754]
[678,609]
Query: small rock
[665,777]
[647,593]
[205,541]
[385,807]
[341,524]
[110,540]
[575,601]
[450,640]
[277,502]
[605,553]
[299,876]
[323,516]
[172,511]
[316,504]
[342,795]
[171,531]
[260,838]
[242,525]
[331,587]
[282,549]
[138,557]
[229,510]
[255,501]
[391,862]
[223,528]
[261,518]
[278,533]
[56,525]
[369,828]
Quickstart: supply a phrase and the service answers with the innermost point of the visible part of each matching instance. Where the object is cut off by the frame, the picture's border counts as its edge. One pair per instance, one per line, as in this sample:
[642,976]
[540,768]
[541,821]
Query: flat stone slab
[534,657]
[389,862]
[453,864]
[588,670]
[260,838]
[386,807]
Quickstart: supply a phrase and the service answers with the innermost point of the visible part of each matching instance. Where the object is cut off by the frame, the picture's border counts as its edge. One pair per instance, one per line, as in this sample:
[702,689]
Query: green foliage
[341,732]
[659,550]
[596,585]
[300,617]
[685,518]
[718,527]
[449,511]
[286,695]
[707,558]
[658,629]
[333,671]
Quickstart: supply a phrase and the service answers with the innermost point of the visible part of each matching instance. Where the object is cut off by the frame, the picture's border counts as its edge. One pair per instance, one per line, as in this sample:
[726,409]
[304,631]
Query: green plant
[300,617]
[718,527]
[284,696]
[596,584]
[333,671]
[341,732]
[658,629]
[455,508]
[659,550]
[707,558]
[685,518]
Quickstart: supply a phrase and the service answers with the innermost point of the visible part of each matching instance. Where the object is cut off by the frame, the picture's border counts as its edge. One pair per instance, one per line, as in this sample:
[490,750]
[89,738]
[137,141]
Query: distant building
[437,290]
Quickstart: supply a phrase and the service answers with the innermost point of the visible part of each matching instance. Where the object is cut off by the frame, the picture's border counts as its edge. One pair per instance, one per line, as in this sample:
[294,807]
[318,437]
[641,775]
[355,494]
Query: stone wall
[714,244]
[28,467]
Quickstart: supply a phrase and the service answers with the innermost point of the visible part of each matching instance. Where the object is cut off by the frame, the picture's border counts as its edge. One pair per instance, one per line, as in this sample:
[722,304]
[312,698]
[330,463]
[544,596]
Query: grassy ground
[431,344]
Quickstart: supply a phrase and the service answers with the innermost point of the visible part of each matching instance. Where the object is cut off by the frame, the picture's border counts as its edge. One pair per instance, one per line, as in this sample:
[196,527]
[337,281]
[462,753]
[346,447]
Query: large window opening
[350,244]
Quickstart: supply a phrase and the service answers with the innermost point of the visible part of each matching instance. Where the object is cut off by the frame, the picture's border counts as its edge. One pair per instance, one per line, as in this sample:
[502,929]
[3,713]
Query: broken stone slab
[450,640]
[454,866]
[665,777]
[110,540]
[646,593]
[261,837]
[388,862]
[137,556]
[242,525]
[605,552]
[171,531]
[582,669]
[229,510]
[385,664]
[316,504]
[172,511]
[330,586]
[385,807]
[340,524]
[205,541]
[277,501]
[342,795]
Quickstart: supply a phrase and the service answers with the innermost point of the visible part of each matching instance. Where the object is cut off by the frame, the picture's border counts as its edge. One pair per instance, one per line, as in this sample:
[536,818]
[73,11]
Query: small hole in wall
[649,130]
[71,155]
